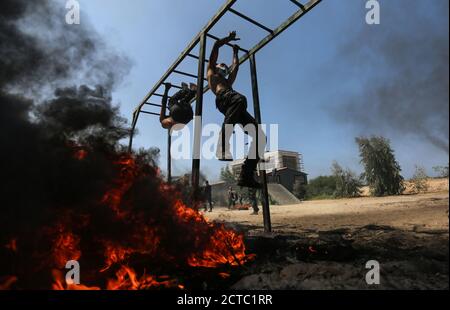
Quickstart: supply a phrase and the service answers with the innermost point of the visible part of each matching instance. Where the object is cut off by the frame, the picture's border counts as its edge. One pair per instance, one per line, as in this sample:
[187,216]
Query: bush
[321,187]
[419,180]
[382,170]
[227,176]
[348,185]
[442,171]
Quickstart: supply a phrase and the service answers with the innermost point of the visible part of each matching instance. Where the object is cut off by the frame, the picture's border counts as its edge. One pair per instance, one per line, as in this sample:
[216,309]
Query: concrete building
[282,167]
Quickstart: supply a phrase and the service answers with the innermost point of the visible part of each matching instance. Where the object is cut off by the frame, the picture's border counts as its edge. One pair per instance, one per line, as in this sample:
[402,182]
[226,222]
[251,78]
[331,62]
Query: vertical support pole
[169,157]
[262,172]
[198,117]
[133,129]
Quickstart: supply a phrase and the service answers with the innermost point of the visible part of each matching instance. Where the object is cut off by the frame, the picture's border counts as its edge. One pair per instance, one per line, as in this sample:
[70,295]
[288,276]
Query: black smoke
[69,189]
[55,88]
[56,82]
[404,66]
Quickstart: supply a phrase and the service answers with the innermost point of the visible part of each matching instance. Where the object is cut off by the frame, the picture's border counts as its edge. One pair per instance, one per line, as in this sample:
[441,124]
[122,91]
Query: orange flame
[223,247]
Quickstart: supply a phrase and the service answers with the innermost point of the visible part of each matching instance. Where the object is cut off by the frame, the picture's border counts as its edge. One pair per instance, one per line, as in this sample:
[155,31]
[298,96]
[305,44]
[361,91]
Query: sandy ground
[426,211]
[325,244]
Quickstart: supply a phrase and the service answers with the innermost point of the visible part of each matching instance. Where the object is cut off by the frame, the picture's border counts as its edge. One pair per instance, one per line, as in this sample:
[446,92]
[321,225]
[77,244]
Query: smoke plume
[69,190]
[42,60]
[403,63]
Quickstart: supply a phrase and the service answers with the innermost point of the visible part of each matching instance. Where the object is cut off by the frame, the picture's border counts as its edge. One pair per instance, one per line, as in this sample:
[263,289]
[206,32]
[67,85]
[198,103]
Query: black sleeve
[178,96]
[191,95]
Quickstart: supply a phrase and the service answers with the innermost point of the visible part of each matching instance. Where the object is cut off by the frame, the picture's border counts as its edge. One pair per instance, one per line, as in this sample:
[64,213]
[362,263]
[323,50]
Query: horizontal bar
[186,74]
[153,104]
[231,45]
[298,4]
[173,86]
[291,20]
[190,47]
[160,95]
[254,22]
[196,57]
[150,113]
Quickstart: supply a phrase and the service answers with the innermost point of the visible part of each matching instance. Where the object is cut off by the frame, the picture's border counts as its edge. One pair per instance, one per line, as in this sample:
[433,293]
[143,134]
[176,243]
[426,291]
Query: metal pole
[133,129]
[169,157]
[262,172]
[198,115]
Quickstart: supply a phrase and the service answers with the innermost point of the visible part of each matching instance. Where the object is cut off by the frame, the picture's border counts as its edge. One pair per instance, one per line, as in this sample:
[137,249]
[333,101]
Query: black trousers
[179,107]
[233,106]
[209,202]
[181,113]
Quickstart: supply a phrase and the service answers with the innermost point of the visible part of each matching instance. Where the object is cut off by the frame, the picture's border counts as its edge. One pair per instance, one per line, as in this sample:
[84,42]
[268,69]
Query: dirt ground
[325,244]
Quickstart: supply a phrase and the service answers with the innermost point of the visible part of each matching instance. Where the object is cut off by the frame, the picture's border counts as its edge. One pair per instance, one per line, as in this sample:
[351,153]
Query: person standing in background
[208,196]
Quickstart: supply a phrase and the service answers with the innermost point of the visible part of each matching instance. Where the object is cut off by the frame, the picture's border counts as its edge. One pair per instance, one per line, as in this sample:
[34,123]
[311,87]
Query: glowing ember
[80,154]
[12,245]
[311,249]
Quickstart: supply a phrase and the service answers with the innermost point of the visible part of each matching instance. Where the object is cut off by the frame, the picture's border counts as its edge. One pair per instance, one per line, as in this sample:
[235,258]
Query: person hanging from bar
[233,106]
[180,110]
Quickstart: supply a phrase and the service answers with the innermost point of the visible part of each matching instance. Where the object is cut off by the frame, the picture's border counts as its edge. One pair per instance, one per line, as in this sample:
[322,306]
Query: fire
[139,224]
[137,235]
[127,280]
[65,248]
[225,248]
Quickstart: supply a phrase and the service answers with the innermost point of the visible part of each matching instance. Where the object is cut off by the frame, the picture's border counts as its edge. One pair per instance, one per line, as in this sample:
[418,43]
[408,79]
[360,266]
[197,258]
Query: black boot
[247,179]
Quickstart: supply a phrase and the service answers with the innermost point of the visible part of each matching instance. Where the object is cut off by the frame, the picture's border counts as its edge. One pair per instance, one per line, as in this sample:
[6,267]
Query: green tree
[321,187]
[382,171]
[442,171]
[299,189]
[227,176]
[348,184]
[419,180]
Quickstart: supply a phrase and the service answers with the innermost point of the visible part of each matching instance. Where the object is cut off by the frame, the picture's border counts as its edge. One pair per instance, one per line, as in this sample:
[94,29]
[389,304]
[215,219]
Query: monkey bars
[201,39]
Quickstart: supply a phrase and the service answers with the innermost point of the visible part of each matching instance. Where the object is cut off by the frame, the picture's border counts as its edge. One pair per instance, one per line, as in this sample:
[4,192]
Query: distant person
[231,198]
[252,193]
[183,185]
[208,196]
[180,110]
[275,175]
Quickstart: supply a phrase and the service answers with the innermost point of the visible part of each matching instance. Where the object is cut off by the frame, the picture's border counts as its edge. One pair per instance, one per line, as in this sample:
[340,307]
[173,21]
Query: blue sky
[299,73]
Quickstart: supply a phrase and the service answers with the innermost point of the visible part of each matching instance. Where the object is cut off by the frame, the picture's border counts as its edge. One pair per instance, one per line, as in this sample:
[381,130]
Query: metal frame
[201,39]
[262,172]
